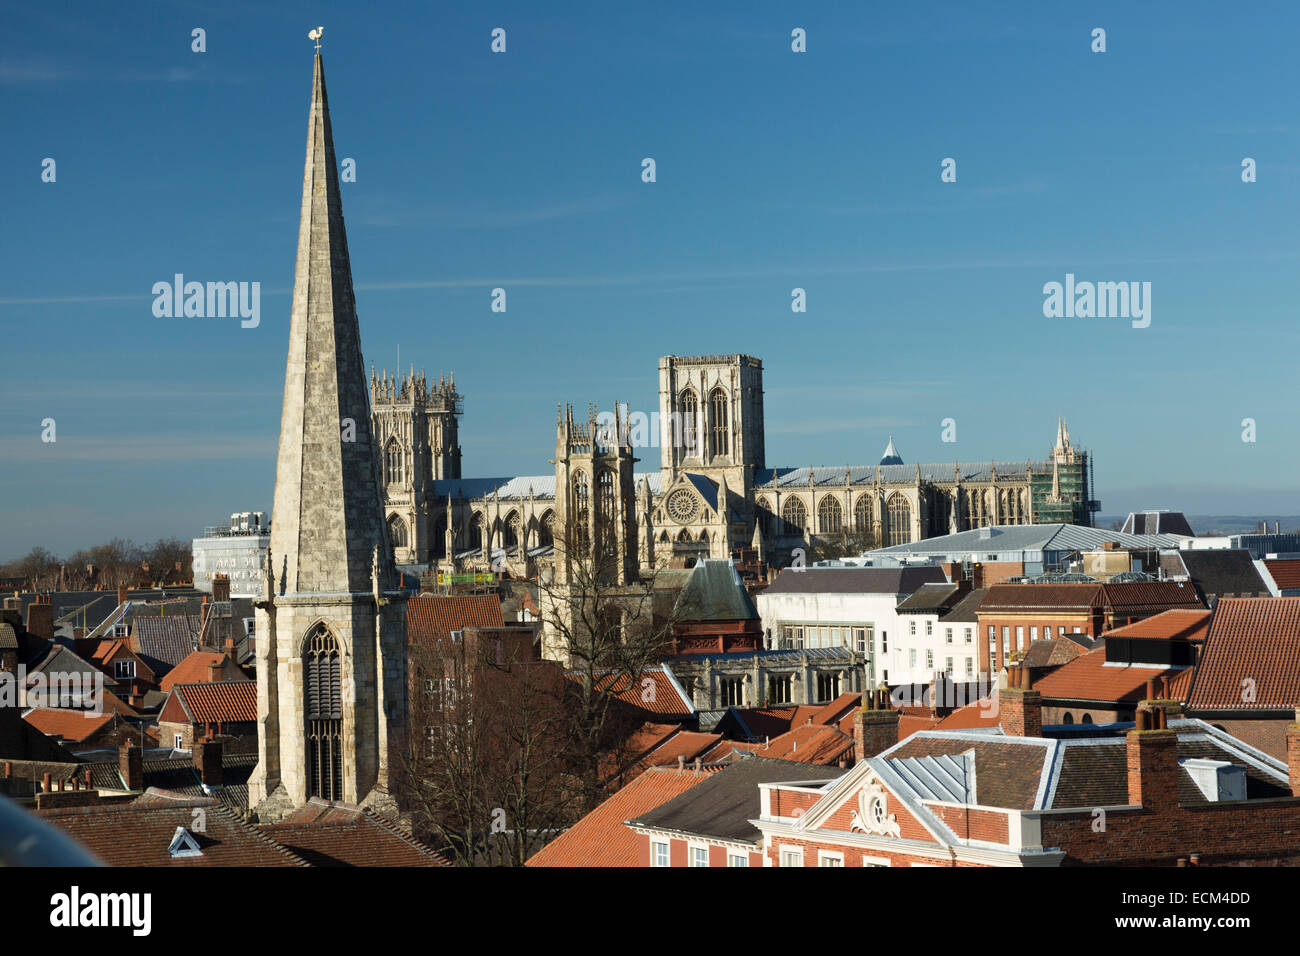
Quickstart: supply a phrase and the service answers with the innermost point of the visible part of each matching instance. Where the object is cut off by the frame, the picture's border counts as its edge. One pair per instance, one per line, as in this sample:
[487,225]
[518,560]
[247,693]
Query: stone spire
[328,511]
[331,637]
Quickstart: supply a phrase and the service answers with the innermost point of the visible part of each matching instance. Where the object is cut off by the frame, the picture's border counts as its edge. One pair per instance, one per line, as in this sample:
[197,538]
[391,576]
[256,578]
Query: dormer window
[183,845]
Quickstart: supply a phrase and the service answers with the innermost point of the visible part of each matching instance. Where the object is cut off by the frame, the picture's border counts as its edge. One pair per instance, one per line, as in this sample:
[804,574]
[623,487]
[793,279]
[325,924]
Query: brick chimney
[1153,762]
[40,618]
[875,725]
[207,760]
[215,670]
[1020,708]
[220,587]
[130,762]
[1293,754]
[121,594]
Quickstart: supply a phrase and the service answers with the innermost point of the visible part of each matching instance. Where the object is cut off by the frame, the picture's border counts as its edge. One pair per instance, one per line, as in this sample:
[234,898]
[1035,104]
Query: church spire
[328,511]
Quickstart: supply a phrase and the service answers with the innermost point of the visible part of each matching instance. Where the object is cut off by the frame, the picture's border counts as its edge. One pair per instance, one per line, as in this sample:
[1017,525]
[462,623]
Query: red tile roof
[600,838]
[1089,677]
[811,743]
[1251,660]
[1182,624]
[138,833]
[340,834]
[432,618]
[227,702]
[67,724]
[1284,571]
[660,696]
[196,668]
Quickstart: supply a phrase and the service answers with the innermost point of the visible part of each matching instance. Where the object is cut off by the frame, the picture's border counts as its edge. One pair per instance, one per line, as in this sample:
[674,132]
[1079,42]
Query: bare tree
[607,632]
[483,770]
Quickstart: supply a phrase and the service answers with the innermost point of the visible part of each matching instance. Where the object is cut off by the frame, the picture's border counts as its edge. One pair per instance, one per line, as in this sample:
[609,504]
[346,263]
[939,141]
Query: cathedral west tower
[330,629]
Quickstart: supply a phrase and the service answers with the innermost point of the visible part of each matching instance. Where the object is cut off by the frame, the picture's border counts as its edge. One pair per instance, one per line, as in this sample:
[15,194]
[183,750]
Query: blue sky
[775,170]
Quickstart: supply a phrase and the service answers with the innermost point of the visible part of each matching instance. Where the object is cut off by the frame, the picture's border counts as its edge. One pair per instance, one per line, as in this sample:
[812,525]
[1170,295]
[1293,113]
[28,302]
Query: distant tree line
[166,561]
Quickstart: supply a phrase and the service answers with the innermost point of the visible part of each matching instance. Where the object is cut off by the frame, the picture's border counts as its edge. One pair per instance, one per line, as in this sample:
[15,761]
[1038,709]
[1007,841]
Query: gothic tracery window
[719,430]
[397,531]
[323,708]
[795,515]
[393,462]
[581,515]
[862,514]
[689,428]
[830,516]
[898,521]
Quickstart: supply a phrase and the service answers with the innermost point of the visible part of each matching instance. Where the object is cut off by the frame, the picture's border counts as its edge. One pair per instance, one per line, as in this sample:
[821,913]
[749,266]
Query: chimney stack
[215,671]
[1020,707]
[130,763]
[220,587]
[121,594]
[875,724]
[1152,761]
[40,618]
[207,760]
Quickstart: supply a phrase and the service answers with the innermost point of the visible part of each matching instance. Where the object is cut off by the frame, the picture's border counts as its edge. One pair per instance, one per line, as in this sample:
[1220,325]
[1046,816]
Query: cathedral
[713,492]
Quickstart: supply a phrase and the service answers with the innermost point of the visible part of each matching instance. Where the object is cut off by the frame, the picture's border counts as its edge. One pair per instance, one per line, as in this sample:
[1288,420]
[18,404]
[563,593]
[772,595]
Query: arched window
[719,430]
[690,423]
[510,533]
[476,532]
[323,707]
[581,517]
[684,536]
[862,514]
[1087,719]
[606,525]
[830,516]
[763,515]
[393,462]
[1068,718]
[546,530]
[397,531]
[439,542]
[898,521]
[795,515]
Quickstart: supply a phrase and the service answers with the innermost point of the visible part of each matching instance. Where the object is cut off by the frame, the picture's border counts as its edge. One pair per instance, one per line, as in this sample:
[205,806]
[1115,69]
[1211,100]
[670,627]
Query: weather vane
[316,35]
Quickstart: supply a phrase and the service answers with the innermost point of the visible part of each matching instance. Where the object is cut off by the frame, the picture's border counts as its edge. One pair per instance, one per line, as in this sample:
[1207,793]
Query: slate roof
[1255,640]
[854,580]
[139,833]
[1029,537]
[1053,652]
[165,641]
[8,639]
[340,834]
[1157,522]
[60,659]
[600,838]
[1008,770]
[1127,597]
[834,475]
[517,488]
[431,618]
[929,599]
[1218,572]
[722,806]
[714,592]
[965,610]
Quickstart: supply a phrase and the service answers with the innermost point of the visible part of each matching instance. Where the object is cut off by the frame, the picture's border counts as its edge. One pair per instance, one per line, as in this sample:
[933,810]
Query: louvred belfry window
[323,705]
